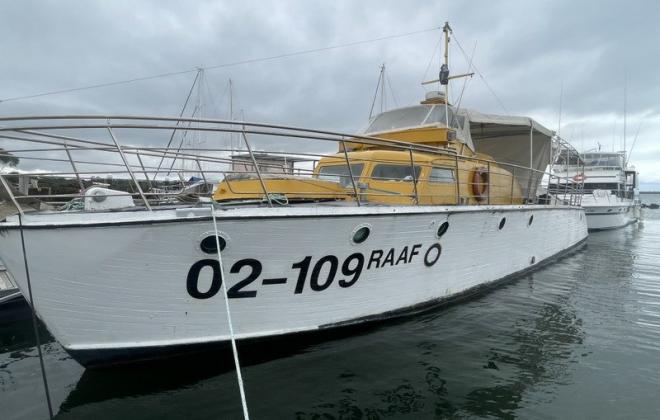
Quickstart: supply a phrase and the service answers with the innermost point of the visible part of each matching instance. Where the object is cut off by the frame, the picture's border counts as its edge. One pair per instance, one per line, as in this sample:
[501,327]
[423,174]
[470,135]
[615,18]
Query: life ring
[480,184]
[579,178]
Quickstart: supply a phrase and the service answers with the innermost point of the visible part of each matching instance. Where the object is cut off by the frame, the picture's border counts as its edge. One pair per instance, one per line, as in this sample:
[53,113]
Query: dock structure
[6,285]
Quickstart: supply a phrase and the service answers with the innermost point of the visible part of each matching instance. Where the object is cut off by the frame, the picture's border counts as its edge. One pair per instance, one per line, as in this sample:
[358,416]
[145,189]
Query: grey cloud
[526,50]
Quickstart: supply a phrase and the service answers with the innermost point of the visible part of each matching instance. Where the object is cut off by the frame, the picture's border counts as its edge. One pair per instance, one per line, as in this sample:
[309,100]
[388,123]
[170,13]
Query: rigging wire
[435,50]
[465,82]
[396,103]
[373,103]
[639,127]
[180,115]
[218,66]
[34,319]
[183,139]
[214,106]
[499,101]
[383,94]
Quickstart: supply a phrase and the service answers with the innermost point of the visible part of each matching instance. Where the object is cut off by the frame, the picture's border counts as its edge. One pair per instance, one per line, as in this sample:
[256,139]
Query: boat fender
[480,184]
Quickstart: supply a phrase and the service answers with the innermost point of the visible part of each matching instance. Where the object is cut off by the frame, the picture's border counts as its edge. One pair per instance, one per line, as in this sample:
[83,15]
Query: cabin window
[588,186]
[387,172]
[340,173]
[442,175]
[602,160]
[601,186]
[441,113]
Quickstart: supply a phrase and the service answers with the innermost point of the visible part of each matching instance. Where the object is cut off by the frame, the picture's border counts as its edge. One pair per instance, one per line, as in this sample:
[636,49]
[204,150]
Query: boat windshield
[399,118]
[442,113]
[415,116]
[601,160]
[340,173]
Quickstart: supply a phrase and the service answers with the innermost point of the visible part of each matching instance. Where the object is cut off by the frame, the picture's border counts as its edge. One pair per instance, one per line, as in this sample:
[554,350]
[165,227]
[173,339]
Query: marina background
[566,65]
[577,338]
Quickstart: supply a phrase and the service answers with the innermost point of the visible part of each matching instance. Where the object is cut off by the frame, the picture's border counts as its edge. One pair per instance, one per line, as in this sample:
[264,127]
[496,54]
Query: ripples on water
[577,339]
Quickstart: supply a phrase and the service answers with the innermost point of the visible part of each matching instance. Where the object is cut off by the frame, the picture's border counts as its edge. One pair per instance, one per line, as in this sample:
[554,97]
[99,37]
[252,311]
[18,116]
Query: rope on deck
[223,282]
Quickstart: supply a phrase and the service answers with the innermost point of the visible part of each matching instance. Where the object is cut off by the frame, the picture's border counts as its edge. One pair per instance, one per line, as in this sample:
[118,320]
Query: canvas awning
[513,140]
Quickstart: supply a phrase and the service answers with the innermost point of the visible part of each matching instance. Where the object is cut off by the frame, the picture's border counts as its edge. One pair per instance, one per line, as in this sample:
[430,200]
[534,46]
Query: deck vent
[502,222]
[442,229]
[209,244]
[361,234]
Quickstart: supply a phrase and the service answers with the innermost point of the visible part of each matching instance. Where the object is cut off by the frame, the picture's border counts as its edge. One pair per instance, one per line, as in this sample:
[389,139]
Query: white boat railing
[68,154]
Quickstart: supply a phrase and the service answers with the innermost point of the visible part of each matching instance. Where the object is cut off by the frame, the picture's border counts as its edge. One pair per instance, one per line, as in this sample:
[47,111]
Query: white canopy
[514,140]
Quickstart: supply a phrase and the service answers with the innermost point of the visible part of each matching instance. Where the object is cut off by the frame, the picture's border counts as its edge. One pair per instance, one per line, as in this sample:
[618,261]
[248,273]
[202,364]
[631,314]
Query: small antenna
[625,99]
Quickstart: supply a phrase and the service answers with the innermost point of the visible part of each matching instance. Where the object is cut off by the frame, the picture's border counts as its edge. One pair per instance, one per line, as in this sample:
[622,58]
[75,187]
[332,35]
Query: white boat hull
[113,282]
[610,217]
[607,211]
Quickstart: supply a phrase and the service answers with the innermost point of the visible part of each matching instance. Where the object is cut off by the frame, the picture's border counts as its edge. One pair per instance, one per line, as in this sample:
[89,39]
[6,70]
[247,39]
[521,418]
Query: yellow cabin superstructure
[423,161]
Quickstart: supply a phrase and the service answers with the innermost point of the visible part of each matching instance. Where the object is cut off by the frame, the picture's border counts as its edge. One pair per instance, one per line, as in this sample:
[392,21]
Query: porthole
[531,219]
[502,222]
[361,234]
[442,229]
[210,246]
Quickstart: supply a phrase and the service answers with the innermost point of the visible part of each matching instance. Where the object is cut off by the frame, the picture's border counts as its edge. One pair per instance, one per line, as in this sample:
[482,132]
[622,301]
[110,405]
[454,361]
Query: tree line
[6,158]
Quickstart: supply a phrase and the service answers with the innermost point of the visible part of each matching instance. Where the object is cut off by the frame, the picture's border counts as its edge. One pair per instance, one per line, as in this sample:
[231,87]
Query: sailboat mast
[382,88]
[561,98]
[446,30]
[625,100]
[231,112]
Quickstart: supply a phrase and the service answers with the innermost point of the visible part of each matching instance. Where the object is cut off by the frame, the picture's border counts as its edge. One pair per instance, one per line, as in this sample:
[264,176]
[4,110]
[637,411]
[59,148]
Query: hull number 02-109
[315,275]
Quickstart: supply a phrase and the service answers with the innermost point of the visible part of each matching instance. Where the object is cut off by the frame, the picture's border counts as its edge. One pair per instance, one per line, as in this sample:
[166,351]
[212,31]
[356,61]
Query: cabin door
[439,187]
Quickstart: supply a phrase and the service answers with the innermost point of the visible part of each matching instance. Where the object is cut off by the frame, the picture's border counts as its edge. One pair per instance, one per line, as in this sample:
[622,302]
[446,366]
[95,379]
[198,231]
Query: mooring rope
[237,362]
[34,319]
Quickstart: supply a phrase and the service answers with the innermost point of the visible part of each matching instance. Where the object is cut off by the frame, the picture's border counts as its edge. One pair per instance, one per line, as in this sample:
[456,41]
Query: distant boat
[610,188]
[12,304]
[7,287]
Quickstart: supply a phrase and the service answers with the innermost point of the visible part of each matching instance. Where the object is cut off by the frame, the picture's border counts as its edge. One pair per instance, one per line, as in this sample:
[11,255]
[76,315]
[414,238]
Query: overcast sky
[525,50]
